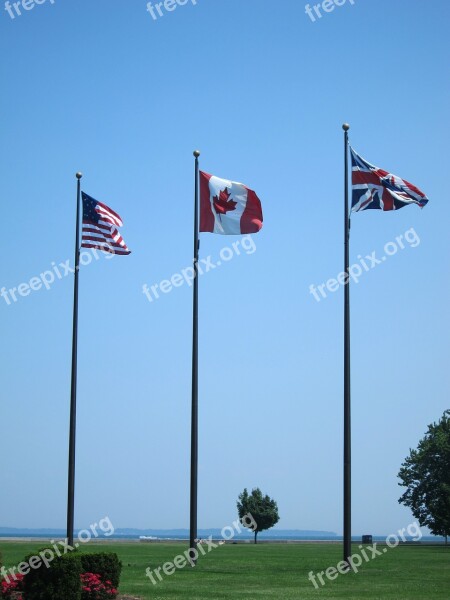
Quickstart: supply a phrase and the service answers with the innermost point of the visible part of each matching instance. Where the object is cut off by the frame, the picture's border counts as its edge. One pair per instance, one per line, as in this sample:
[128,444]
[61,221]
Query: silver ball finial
[79,175]
[345,126]
[196,153]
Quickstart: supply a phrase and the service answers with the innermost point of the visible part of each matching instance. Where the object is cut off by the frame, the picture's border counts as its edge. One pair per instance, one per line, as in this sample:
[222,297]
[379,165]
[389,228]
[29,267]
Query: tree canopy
[263,509]
[426,475]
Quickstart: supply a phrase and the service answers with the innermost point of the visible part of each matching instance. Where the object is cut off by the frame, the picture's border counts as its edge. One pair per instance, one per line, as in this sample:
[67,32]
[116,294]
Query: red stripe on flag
[388,201]
[88,222]
[108,241]
[107,248]
[364,177]
[252,217]
[207,219]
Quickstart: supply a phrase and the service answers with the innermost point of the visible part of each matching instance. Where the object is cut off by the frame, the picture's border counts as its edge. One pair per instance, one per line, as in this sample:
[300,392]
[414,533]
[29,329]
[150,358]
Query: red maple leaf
[223,204]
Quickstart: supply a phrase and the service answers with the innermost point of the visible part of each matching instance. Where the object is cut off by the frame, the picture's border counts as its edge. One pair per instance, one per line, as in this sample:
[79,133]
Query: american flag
[378,189]
[100,227]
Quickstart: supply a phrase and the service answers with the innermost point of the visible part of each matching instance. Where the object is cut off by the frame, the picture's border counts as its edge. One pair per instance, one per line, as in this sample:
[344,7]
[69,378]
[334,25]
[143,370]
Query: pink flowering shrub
[11,586]
[93,588]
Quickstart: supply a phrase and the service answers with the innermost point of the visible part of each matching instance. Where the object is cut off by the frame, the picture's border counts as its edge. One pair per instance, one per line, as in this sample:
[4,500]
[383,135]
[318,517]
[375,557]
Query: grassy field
[280,571]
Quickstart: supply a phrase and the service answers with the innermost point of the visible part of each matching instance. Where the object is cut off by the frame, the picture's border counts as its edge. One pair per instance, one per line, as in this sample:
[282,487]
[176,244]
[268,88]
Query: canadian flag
[227,207]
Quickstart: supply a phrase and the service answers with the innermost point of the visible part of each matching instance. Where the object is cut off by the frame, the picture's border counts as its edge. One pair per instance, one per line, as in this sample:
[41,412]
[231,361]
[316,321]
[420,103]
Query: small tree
[426,475]
[263,509]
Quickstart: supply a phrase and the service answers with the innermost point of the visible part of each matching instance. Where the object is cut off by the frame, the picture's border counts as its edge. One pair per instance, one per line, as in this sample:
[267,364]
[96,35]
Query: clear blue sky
[262,91]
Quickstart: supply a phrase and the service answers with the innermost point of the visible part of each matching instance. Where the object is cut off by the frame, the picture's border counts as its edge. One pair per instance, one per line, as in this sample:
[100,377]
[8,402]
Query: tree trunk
[256,533]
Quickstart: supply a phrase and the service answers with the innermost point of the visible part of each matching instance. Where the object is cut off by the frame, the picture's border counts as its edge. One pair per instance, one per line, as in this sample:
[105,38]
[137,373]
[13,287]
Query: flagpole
[347,398]
[73,393]
[194,416]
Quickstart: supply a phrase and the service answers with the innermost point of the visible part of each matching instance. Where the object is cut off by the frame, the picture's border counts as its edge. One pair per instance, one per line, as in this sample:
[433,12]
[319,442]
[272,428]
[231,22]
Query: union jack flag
[100,227]
[378,189]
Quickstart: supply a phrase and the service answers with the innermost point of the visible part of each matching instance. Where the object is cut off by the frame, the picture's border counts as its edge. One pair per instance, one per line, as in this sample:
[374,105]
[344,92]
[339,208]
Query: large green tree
[426,475]
[263,509]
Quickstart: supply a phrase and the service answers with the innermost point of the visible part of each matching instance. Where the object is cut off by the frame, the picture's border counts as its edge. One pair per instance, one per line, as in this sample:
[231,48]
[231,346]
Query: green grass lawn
[248,572]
